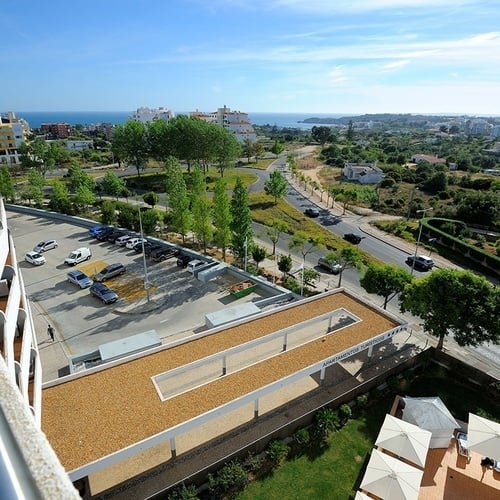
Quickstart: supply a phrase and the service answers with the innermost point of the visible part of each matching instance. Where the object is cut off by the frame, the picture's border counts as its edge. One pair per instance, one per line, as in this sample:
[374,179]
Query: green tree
[131,144]
[160,146]
[151,198]
[258,255]
[108,212]
[227,149]
[350,132]
[202,221]
[60,200]
[6,184]
[78,177]
[305,243]
[321,134]
[258,150]
[348,258]
[277,148]
[178,200]
[385,280]
[276,186]
[241,221]
[221,217]
[275,230]
[455,302]
[84,197]
[112,184]
[151,218]
[33,189]
[285,264]
[247,149]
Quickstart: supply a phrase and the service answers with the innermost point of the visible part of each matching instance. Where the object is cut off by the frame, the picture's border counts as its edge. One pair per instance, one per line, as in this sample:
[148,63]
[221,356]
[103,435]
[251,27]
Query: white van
[77,256]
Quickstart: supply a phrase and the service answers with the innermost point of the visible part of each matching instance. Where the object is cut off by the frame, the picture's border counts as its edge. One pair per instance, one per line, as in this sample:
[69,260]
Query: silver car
[45,245]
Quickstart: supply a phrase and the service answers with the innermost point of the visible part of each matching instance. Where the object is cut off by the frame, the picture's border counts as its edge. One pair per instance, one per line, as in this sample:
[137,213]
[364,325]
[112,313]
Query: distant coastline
[282,120]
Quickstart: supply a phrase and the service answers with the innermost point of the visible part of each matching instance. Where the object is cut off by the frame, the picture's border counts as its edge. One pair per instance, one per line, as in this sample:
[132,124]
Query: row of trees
[189,139]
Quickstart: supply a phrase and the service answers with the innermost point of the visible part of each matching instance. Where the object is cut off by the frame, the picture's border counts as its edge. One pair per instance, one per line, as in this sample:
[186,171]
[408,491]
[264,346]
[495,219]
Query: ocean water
[36,118]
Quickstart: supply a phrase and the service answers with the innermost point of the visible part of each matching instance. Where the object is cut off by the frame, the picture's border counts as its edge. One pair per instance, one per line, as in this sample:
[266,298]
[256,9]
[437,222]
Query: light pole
[146,280]
[419,235]
[412,195]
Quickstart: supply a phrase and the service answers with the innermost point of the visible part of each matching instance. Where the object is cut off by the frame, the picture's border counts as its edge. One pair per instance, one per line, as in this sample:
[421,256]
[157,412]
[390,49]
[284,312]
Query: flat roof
[90,416]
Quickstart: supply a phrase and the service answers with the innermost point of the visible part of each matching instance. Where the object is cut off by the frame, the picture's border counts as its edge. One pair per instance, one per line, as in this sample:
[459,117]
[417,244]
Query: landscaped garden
[328,459]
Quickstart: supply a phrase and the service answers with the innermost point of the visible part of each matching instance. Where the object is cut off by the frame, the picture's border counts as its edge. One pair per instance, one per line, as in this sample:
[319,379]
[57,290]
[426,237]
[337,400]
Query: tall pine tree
[241,223]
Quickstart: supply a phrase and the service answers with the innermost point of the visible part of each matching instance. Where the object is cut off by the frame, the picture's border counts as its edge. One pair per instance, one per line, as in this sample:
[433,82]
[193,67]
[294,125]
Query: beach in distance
[36,118]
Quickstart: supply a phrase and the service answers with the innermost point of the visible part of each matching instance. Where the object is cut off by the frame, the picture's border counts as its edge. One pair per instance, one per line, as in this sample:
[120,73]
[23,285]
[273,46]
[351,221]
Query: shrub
[345,412]
[228,481]
[277,452]
[361,401]
[326,421]
[254,463]
[183,493]
[302,437]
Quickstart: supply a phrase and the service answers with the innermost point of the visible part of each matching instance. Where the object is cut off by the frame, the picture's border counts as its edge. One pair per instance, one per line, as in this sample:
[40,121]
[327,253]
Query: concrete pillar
[370,351]
[172,447]
[322,375]
[285,341]
[256,408]
[224,365]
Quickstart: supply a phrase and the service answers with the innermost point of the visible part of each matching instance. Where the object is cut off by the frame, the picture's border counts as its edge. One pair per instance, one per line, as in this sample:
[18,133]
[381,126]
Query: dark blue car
[103,293]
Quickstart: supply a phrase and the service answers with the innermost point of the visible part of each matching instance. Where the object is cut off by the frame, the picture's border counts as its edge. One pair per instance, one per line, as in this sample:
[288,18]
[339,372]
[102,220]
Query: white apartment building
[236,122]
[13,132]
[145,115]
[29,467]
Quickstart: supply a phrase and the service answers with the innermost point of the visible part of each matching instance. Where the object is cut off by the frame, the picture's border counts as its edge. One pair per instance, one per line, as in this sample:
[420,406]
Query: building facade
[236,122]
[364,173]
[13,132]
[145,115]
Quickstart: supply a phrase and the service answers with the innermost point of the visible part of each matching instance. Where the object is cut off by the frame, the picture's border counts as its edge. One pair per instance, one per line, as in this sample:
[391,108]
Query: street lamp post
[419,236]
[146,279]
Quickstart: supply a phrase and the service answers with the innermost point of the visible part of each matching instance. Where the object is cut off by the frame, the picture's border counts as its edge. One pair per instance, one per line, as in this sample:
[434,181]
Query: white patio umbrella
[361,496]
[390,478]
[483,436]
[404,440]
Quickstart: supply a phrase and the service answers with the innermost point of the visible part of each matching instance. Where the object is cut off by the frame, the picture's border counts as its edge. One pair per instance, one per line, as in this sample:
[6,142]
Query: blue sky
[308,56]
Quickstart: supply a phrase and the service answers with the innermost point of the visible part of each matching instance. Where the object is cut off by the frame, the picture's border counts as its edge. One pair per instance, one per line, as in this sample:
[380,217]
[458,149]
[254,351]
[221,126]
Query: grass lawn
[331,472]
[336,471]
[264,211]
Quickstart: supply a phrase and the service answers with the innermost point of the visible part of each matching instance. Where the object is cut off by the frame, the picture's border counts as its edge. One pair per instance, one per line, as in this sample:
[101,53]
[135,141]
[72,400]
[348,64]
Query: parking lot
[83,322]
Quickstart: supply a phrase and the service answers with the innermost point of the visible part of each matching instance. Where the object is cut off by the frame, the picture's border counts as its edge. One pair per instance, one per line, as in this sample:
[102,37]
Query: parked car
[115,235]
[151,248]
[103,234]
[355,239]
[103,293]
[34,258]
[77,256]
[312,212]
[194,264]
[122,240]
[164,253]
[79,279]
[422,262]
[138,246]
[183,260]
[133,241]
[110,272]
[45,245]
[330,265]
[94,230]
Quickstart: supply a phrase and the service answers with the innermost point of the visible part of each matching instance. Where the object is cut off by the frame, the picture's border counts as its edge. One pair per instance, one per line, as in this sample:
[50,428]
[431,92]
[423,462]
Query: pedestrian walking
[51,331]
